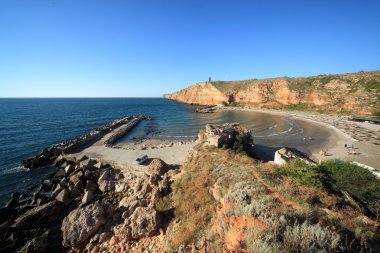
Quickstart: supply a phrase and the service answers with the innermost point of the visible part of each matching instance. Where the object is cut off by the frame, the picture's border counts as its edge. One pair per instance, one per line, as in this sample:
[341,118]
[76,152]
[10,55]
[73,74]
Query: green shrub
[337,176]
[243,143]
[233,104]
[298,107]
[304,173]
[326,79]
[356,180]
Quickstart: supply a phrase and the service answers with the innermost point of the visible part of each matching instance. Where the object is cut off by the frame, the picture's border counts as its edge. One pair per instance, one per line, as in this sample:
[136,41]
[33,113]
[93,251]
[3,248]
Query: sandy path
[274,193]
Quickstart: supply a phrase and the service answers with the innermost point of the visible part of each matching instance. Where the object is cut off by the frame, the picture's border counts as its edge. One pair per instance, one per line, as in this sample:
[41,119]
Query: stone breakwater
[125,129]
[49,155]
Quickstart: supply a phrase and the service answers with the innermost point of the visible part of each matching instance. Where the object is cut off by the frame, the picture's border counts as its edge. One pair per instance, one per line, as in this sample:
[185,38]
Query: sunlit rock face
[349,93]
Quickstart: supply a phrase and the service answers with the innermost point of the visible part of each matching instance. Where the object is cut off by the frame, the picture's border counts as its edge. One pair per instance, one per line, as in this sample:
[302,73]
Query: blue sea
[29,125]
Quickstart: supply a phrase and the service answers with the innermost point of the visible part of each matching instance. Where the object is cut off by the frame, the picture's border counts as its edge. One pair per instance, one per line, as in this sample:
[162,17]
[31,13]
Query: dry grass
[217,200]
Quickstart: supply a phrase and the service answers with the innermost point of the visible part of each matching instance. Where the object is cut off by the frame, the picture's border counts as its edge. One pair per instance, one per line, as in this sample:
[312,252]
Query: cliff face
[357,93]
[204,93]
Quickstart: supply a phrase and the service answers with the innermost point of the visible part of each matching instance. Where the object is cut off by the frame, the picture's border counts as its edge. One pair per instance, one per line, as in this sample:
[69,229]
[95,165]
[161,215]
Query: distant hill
[356,93]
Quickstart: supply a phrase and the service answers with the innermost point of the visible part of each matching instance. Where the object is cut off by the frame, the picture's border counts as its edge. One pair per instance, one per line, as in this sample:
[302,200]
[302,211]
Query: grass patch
[298,107]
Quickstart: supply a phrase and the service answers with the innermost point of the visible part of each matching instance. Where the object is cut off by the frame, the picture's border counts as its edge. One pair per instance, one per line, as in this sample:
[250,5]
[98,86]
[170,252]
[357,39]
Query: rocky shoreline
[82,205]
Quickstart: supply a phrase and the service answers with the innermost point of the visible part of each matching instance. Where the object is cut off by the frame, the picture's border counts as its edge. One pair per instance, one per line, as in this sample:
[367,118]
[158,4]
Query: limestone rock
[158,166]
[76,177]
[108,179]
[88,197]
[81,224]
[144,222]
[63,197]
[226,136]
[284,155]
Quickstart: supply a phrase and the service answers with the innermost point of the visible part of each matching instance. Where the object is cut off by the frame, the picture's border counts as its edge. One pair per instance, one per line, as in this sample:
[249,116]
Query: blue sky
[96,48]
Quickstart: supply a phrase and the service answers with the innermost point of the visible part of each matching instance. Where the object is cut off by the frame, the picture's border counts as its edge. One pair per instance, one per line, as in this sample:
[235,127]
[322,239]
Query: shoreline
[338,138]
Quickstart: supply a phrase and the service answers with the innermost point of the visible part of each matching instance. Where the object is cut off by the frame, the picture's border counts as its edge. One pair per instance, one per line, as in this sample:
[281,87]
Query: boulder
[83,158]
[81,224]
[79,185]
[87,164]
[64,164]
[69,169]
[35,245]
[76,177]
[74,192]
[57,190]
[58,160]
[145,221]
[158,166]
[107,180]
[64,182]
[38,216]
[98,165]
[64,197]
[60,173]
[88,197]
[91,186]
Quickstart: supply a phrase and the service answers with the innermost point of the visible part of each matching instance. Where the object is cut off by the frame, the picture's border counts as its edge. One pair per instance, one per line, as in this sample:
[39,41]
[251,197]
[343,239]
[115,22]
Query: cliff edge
[357,93]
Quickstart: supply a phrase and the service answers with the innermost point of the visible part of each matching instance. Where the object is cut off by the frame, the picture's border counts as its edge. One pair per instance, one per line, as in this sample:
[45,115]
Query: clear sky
[78,48]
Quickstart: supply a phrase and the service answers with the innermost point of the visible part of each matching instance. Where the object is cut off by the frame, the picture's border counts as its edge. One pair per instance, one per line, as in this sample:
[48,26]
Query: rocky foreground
[87,206]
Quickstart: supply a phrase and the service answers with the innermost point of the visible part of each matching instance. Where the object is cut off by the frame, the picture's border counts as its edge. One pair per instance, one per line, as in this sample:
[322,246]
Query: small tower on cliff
[209,79]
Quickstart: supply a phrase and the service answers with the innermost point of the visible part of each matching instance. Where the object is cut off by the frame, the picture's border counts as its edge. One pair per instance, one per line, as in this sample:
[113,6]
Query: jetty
[50,155]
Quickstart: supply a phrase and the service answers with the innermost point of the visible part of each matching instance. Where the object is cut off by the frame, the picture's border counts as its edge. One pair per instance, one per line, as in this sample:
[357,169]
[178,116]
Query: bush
[301,238]
[336,176]
[299,106]
[356,180]
[233,104]
[305,174]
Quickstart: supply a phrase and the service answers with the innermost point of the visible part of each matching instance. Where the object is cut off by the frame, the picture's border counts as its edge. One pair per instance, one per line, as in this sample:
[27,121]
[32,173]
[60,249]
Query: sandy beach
[364,137]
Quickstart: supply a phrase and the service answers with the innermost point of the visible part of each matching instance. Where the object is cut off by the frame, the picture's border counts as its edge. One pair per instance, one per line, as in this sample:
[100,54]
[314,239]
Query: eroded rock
[81,224]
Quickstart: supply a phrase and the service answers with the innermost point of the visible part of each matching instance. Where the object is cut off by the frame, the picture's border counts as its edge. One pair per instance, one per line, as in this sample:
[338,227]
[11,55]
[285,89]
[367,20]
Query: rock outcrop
[82,223]
[229,135]
[284,155]
[356,93]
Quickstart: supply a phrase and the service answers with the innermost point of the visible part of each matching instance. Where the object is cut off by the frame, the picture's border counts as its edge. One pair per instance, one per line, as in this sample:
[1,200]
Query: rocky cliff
[357,93]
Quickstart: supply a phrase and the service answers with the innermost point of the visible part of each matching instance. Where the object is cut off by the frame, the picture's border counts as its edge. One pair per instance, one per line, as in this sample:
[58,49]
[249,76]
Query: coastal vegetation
[234,202]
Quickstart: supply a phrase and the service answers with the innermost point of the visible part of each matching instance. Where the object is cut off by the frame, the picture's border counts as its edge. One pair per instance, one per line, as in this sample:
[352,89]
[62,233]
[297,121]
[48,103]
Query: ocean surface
[29,125]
